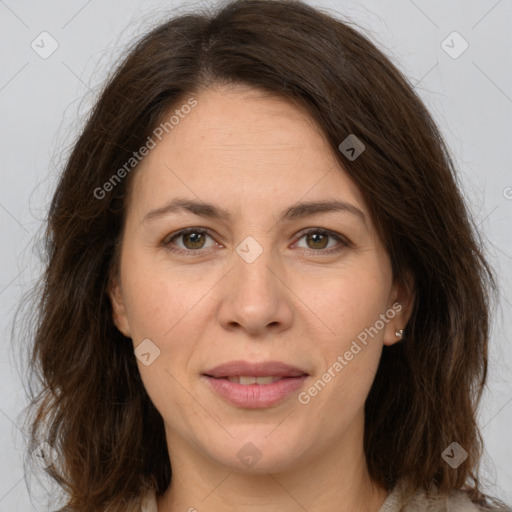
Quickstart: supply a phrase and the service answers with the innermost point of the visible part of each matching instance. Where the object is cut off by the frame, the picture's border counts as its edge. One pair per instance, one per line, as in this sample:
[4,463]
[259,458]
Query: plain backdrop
[44,100]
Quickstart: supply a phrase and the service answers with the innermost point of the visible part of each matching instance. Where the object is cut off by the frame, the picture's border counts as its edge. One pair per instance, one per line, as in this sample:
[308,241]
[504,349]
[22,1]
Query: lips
[255,385]
[260,369]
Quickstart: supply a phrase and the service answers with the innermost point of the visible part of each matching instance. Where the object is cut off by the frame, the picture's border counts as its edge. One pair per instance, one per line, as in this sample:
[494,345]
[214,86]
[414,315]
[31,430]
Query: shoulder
[456,501]
[148,502]
[145,502]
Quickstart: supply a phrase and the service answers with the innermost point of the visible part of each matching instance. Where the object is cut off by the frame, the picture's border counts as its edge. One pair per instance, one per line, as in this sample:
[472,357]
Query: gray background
[43,103]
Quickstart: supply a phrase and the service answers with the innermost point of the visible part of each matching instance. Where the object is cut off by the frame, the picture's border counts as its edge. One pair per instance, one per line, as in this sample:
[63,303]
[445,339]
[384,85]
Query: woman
[264,290]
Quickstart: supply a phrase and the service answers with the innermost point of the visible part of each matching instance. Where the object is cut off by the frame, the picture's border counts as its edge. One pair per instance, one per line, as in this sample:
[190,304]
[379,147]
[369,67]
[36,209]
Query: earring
[399,333]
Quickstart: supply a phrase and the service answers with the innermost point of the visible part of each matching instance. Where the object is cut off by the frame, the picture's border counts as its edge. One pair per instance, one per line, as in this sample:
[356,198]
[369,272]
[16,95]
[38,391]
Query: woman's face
[248,283]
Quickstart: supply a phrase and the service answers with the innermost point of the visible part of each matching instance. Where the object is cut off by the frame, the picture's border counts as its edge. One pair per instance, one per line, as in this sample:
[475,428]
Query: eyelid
[190,252]
[166,242]
[332,234]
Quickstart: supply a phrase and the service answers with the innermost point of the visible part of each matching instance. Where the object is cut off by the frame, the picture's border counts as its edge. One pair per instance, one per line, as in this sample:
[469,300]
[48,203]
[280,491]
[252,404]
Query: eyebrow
[296,211]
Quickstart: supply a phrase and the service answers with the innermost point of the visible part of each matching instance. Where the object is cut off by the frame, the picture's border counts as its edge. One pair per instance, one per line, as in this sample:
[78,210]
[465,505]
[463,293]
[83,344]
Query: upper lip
[261,369]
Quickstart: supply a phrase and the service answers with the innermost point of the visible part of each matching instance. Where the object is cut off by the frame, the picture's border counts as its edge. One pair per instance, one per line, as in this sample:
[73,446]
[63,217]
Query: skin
[255,155]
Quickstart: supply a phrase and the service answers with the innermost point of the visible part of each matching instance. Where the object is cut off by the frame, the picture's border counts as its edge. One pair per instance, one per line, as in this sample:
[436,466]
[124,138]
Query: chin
[257,453]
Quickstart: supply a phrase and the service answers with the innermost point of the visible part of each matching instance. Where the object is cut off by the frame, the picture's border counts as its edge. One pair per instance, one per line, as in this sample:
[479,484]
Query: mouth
[244,370]
[246,380]
[255,385]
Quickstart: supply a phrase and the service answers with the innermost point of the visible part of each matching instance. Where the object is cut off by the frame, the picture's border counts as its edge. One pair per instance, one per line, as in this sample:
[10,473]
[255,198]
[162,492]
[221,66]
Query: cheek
[352,301]
[351,305]
[161,309]
[159,300]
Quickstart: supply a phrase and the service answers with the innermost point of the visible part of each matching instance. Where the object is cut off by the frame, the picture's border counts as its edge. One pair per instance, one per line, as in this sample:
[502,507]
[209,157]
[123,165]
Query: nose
[256,297]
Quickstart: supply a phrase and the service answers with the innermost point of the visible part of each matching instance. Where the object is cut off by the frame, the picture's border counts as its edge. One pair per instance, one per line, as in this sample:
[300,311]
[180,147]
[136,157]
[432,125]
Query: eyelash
[191,252]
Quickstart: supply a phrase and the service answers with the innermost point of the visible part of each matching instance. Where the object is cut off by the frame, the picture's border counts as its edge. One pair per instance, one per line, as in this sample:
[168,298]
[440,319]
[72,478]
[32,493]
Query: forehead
[242,147]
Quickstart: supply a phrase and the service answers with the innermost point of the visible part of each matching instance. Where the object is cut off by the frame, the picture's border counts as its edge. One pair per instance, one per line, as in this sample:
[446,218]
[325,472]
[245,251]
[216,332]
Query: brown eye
[192,240]
[317,240]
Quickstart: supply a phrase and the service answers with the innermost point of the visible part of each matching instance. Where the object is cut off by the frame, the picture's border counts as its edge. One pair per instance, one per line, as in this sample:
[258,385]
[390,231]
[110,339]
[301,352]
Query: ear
[119,315]
[399,309]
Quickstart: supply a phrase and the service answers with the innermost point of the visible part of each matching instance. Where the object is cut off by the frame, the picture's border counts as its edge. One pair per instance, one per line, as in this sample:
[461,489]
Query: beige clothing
[458,501]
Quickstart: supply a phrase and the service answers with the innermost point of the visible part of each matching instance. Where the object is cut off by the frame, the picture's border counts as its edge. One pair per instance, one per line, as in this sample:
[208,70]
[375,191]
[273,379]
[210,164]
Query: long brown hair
[91,405]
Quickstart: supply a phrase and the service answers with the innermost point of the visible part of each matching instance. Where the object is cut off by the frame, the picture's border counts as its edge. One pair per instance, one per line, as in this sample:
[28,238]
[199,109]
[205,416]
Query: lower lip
[256,396]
